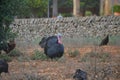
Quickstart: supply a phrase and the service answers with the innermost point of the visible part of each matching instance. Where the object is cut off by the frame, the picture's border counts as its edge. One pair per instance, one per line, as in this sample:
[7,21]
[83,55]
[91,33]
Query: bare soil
[62,69]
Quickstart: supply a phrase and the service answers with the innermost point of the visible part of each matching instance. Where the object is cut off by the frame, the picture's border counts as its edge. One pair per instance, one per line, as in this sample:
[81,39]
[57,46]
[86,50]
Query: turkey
[48,41]
[104,41]
[53,46]
[8,47]
[3,66]
[80,75]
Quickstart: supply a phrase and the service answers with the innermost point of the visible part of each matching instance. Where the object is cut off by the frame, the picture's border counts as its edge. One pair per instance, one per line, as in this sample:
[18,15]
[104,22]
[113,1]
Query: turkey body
[3,66]
[52,48]
[54,51]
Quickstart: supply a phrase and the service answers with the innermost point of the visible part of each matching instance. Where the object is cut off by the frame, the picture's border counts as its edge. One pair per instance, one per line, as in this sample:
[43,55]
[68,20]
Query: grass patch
[36,41]
[15,53]
[114,40]
[39,55]
[23,58]
[5,57]
[74,53]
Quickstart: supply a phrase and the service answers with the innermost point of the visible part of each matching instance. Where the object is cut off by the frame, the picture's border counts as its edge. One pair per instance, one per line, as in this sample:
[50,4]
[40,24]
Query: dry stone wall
[94,26]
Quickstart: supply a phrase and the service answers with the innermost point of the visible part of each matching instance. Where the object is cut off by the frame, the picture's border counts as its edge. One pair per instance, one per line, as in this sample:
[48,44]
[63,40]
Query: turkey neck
[59,40]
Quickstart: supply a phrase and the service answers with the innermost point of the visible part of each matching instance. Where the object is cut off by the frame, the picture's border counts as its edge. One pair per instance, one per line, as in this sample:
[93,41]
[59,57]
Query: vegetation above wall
[116,8]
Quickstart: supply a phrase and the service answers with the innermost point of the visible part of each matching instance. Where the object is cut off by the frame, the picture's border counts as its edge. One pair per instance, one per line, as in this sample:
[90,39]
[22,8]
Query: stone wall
[94,26]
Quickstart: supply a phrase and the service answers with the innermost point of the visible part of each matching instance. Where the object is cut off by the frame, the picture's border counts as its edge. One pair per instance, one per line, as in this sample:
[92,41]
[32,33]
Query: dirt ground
[62,69]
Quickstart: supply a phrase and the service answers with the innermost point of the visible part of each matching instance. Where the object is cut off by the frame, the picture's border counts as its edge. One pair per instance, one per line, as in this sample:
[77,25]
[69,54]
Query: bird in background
[104,41]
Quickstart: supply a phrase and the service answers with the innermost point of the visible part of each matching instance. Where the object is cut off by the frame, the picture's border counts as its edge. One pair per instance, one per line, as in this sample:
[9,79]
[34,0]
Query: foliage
[36,3]
[116,8]
[24,10]
[5,57]
[88,13]
[38,55]
[8,9]
[7,34]
[11,8]
[82,4]
[65,3]
[38,7]
[90,3]
[15,53]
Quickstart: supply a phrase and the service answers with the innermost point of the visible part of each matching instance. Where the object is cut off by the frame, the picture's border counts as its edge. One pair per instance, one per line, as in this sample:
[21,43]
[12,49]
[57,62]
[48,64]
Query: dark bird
[52,40]
[8,47]
[11,45]
[42,43]
[54,51]
[104,41]
[53,46]
[3,66]
[80,75]
[48,41]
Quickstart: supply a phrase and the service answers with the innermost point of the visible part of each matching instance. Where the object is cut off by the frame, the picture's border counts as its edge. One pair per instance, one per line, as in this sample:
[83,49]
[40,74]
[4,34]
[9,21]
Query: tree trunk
[55,8]
[76,7]
[101,7]
[107,9]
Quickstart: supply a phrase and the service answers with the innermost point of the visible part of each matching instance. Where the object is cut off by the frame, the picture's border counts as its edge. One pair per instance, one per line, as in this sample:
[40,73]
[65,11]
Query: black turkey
[54,51]
[42,43]
[8,47]
[53,46]
[3,66]
[104,41]
[80,75]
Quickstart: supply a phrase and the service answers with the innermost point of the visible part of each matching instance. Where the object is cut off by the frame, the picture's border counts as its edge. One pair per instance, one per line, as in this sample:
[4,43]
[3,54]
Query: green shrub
[23,58]
[88,13]
[73,53]
[39,55]
[15,53]
[116,8]
[5,57]
[105,57]
[85,58]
